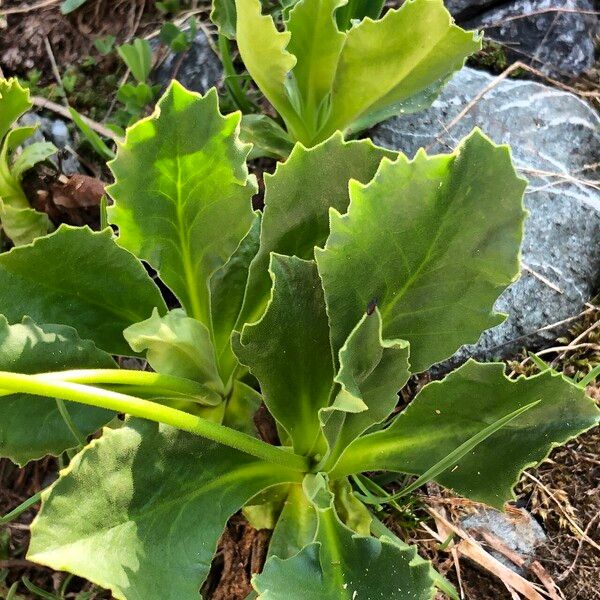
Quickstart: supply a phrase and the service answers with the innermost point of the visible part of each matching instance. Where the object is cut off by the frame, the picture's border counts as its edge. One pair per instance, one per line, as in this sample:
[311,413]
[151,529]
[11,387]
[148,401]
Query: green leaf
[160,501]
[266,136]
[91,136]
[344,565]
[32,427]
[69,6]
[138,58]
[227,288]
[296,526]
[288,350]
[105,44]
[79,278]
[447,413]
[263,50]
[30,156]
[432,242]
[297,201]
[223,15]
[19,221]
[317,43]
[241,407]
[357,10]
[309,71]
[14,102]
[23,225]
[176,344]
[401,61]
[372,371]
[182,193]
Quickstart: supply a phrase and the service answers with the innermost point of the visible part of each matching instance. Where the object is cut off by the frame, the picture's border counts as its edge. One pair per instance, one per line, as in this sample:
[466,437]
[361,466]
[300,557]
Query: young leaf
[402,62]
[227,288]
[267,137]
[14,102]
[20,222]
[160,501]
[91,136]
[182,193]
[297,200]
[372,371]
[296,526]
[138,58]
[357,10]
[79,278]
[32,427]
[317,43]
[176,345]
[288,350]
[309,71]
[263,50]
[344,565]
[223,15]
[447,413]
[433,242]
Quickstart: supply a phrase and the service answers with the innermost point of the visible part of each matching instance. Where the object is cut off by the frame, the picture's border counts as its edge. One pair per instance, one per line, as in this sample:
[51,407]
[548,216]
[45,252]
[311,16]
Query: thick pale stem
[157,383]
[144,409]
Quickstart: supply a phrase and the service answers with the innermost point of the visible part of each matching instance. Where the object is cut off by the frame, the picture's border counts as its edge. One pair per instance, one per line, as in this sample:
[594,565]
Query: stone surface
[57,132]
[554,137]
[517,529]
[558,43]
[199,70]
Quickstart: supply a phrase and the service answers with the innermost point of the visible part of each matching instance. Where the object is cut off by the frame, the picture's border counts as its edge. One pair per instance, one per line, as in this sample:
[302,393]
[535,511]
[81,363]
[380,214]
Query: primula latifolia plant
[364,268]
[329,65]
[19,221]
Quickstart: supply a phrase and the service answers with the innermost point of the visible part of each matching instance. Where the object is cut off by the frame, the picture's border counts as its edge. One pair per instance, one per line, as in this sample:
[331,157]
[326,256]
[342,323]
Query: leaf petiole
[157,383]
[144,409]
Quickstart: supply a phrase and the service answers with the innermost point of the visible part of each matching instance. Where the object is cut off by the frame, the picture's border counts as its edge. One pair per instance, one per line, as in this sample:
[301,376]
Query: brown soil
[71,37]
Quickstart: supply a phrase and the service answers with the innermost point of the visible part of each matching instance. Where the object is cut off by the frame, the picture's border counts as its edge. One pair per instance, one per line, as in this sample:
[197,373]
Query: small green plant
[179,40]
[366,267]
[135,97]
[20,223]
[328,65]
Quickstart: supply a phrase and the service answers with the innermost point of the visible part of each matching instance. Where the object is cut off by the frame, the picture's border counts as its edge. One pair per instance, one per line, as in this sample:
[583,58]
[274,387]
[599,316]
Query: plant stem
[64,413]
[231,76]
[157,383]
[144,409]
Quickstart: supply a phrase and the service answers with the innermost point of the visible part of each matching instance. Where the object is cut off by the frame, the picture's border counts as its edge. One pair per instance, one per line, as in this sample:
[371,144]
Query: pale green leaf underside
[297,201]
[446,413]
[140,510]
[341,565]
[182,192]
[371,373]
[176,344]
[32,427]
[432,242]
[79,278]
[288,350]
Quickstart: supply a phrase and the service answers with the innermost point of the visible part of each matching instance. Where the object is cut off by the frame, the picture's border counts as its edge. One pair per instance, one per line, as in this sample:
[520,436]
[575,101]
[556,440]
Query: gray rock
[464,9]
[57,132]
[200,68]
[555,137]
[558,43]
[520,532]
